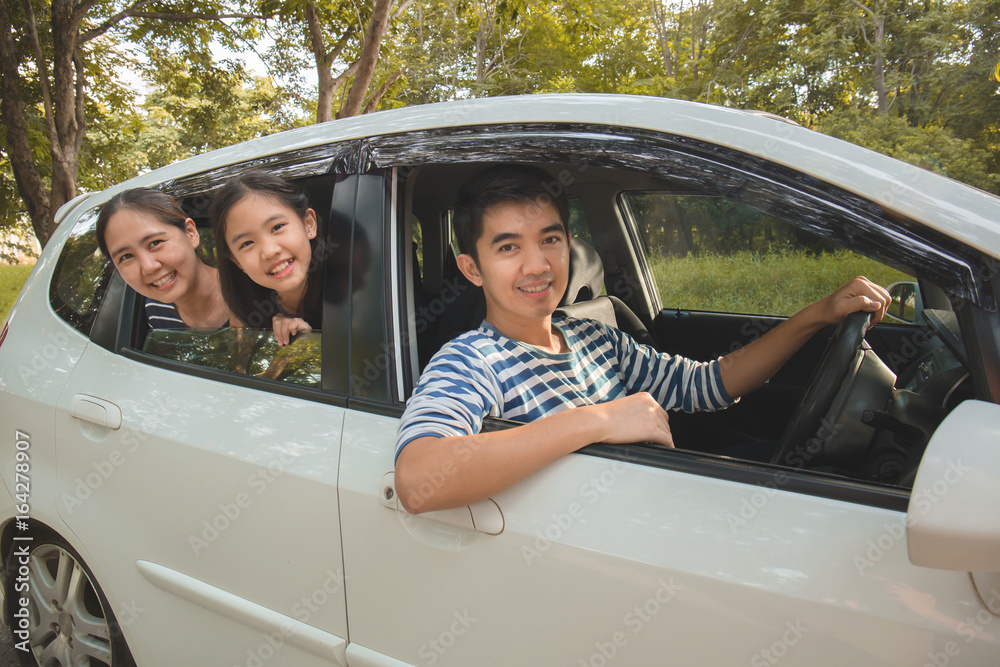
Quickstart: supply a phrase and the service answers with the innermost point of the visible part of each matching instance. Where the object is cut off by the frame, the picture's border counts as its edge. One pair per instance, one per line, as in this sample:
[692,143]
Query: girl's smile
[270,243]
[156,259]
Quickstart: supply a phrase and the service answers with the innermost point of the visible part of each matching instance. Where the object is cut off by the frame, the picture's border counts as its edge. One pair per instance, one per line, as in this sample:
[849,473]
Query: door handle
[96,411]
[484,516]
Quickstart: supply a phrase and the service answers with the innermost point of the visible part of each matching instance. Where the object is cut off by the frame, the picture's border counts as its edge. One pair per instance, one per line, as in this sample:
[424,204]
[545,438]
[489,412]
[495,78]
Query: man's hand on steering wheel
[749,367]
[859,294]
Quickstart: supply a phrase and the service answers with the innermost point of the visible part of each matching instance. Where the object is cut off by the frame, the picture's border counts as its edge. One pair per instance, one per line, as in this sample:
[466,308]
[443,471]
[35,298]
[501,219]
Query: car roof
[960,211]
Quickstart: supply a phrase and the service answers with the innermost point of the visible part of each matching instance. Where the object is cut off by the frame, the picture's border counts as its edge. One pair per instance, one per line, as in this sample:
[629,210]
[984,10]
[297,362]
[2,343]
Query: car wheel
[70,622]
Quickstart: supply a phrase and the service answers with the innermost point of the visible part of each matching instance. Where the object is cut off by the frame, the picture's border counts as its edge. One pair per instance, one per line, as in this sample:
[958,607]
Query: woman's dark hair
[158,204]
[499,185]
[254,304]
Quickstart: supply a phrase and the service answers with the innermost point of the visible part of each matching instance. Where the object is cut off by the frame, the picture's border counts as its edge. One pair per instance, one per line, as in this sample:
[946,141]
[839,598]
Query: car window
[712,254]
[250,351]
[244,351]
[81,276]
[672,234]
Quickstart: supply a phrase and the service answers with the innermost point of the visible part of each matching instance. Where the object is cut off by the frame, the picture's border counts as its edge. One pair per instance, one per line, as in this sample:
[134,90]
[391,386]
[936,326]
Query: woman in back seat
[151,242]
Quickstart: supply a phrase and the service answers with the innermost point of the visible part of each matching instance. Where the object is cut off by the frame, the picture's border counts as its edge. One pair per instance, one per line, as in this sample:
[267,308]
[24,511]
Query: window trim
[394,280]
[627,216]
[765,475]
[246,381]
[330,160]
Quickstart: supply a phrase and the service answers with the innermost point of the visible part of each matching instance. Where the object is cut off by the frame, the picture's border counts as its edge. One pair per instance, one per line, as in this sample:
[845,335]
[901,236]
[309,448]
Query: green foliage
[779,283]
[11,281]
[933,148]
[198,105]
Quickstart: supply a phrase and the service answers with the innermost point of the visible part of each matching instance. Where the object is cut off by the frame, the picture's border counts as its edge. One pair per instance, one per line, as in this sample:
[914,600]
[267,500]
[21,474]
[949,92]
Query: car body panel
[666,559]
[237,490]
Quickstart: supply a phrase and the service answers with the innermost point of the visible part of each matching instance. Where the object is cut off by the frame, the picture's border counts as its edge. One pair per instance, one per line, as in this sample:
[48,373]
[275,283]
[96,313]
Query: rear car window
[81,276]
[243,351]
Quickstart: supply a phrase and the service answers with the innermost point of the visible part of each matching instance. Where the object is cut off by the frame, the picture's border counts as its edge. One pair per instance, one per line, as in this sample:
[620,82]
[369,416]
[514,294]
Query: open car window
[713,254]
[244,351]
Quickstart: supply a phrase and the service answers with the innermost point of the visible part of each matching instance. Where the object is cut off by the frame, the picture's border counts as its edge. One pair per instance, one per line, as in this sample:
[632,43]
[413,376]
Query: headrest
[586,273]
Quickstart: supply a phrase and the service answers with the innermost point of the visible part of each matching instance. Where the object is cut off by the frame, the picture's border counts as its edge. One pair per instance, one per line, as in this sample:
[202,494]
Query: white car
[202,498]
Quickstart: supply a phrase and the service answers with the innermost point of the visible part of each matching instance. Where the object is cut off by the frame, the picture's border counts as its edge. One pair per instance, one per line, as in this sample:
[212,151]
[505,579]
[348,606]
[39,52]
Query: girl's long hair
[254,304]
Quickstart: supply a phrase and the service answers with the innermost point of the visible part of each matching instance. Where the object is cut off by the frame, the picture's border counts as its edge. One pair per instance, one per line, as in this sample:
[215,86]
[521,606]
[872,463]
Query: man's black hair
[499,185]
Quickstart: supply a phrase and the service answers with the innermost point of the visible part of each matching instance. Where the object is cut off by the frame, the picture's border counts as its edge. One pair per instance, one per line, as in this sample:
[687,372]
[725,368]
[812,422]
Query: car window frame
[877,231]
[120,320]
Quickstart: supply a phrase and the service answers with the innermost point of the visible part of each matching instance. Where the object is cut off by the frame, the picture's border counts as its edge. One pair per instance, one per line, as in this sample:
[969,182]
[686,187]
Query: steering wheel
[826,381]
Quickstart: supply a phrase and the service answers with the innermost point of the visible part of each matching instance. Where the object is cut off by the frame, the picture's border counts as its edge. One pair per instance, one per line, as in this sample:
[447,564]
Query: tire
[70,622]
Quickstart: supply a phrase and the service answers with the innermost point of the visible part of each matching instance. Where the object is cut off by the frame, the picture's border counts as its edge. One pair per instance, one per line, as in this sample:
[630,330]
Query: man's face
[523,262]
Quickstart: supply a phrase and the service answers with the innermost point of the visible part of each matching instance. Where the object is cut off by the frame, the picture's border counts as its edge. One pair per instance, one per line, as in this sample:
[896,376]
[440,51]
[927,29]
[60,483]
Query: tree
[198,105]
[339,36]
[48,54]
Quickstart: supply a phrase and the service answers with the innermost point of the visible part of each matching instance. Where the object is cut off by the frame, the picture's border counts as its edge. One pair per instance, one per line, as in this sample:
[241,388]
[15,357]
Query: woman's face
[270,243]
[154,258]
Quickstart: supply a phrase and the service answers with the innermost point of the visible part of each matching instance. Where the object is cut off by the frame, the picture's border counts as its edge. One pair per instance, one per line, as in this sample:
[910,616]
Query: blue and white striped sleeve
[677,383]
[456,391]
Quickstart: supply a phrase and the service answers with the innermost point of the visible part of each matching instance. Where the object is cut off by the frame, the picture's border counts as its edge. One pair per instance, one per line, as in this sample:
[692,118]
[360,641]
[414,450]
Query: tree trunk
[663,36]
[880,88]
[324,77]
[29,181]
[369,57]
[482,38]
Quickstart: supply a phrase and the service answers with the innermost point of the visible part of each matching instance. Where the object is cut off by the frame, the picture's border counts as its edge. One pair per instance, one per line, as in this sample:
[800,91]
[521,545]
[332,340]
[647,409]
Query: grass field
[11,280]
[778,283]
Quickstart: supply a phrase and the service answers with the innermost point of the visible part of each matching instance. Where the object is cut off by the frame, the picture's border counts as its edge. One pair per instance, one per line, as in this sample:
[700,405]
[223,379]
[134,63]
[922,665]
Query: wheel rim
[67,624]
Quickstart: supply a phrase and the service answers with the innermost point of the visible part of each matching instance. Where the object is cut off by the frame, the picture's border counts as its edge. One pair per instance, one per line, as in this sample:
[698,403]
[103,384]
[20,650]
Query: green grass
[779,283]
[11,280]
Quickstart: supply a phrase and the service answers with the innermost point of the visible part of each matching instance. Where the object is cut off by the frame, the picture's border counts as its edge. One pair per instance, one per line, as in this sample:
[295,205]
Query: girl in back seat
[266,235]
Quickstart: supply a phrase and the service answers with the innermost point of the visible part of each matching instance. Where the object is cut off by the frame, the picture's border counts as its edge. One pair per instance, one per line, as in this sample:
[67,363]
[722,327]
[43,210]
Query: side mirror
[952,522]
[906,305]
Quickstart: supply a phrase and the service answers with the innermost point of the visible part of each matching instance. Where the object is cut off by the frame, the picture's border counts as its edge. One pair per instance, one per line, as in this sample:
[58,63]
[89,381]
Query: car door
[205,499]
[631,554]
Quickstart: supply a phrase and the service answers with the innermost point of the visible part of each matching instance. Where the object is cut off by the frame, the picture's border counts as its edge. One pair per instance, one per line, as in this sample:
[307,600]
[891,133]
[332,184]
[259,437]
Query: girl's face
[270,243]
[154,258]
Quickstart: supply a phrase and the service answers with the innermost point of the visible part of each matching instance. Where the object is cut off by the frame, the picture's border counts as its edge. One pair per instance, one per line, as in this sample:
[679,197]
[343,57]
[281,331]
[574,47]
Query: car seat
[582,298]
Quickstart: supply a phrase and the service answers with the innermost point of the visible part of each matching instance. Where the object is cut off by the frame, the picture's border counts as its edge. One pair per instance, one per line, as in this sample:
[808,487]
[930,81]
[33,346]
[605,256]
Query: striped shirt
[483,373]
[163,315]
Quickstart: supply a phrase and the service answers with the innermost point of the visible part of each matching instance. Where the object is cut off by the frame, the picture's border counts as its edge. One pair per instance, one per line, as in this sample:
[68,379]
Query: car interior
[874,422]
